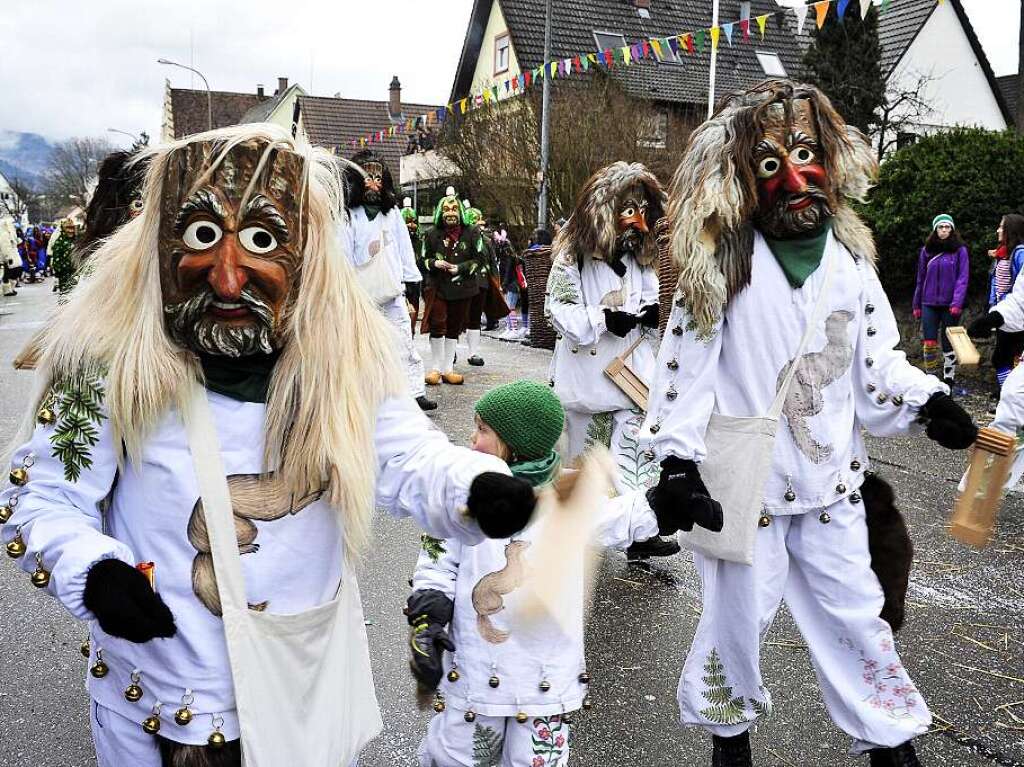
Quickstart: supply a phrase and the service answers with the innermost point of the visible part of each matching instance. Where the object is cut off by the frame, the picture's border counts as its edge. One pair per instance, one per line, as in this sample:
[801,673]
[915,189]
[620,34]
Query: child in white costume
[758,237]
[507,690]
[230,278]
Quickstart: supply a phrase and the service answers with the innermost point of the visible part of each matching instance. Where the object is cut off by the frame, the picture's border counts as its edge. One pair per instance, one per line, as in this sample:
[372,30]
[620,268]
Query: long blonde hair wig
[337,362]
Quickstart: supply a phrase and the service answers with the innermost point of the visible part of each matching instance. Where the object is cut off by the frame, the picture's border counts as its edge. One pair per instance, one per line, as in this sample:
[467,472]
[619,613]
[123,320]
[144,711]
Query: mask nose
[227,277]
[792,181]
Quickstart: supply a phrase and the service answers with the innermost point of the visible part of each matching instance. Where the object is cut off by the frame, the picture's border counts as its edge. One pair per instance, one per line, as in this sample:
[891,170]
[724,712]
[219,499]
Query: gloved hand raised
[620,323]
[947,423]
[680,499]
[428,611]
[983,327]
[501,505]
[125,604]
[649,316]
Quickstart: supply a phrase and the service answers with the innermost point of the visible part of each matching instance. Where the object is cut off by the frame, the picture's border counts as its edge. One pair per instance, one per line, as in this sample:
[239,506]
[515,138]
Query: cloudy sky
[73,68]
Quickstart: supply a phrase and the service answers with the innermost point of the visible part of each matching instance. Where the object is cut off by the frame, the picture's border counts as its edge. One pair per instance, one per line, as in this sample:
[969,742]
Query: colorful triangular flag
[762,22]
[745,28]
[801,17]
[727,28]
[699,35]
[716,32]
[821,8]
[865,6]
[841,9]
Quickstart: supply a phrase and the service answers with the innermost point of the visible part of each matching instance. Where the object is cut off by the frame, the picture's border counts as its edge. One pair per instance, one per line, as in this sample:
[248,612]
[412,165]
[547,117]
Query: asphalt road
[963,643]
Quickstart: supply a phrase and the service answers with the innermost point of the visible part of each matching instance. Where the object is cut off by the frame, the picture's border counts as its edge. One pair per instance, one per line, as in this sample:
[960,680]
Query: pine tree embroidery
[724,708]
[487,747]
[762,708]
[599,430]
[433,546]
[635,469]
[78,400]
[562,288]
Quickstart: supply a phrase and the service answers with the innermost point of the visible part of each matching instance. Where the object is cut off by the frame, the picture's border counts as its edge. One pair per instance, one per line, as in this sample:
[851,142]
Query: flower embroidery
[548,741]
[889,688]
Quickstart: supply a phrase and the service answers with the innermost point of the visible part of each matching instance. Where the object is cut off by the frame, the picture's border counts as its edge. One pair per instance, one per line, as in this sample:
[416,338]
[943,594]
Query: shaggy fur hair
[355,188]
[892,551]
[714,193]
[592,229]
[337,363]
[120,178]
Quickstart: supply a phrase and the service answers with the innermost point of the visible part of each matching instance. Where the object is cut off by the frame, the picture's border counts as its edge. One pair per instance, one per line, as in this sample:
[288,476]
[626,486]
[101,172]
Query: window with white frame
[771,64]
[502,49]
[655,131]
[607,40]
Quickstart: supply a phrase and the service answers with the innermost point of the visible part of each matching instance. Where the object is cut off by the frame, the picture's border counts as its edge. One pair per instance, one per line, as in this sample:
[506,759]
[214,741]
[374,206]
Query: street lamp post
[714,62]
[545,125]
[209,96]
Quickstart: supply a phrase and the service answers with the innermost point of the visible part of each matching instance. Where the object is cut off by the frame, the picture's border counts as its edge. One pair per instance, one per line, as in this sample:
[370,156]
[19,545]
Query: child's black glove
[125,604]
[649,316]
[500,504]
[428,611]
[620,323]
[947,423]
[680,499]
[983,327]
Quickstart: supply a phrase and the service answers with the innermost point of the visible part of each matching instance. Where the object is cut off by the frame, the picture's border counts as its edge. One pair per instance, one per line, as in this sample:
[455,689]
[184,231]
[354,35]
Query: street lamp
[209,96]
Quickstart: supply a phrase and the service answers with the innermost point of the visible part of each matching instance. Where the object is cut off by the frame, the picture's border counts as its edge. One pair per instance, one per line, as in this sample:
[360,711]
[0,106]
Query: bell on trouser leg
[731,752]
[469,716]
[453,675]
[439,704]
[16,548]
[133,693]
[5,512]
[85,648]
[494,681]
[45,417]
[19,477]
[216,739]
[40,576]
[151,725]
[521,717]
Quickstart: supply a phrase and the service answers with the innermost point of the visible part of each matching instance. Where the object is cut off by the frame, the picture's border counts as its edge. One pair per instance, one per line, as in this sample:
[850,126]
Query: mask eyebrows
[765,147]
[262,207]
[798,137]
[201,201]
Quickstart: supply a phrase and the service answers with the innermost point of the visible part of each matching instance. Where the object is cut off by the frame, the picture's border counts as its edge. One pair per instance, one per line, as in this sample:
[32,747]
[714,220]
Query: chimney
[395,97]
[259,90]
[282,85]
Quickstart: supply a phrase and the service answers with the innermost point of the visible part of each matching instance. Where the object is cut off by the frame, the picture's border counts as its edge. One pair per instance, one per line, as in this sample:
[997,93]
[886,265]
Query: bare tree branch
[72,169]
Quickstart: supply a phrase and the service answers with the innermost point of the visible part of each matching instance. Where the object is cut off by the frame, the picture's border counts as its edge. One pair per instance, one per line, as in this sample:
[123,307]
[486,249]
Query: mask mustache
[779,220]
[193,328]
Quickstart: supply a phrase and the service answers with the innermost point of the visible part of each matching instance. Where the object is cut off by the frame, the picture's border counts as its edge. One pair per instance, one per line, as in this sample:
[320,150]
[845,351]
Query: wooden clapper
[625,377]
[981,491]
[963,347]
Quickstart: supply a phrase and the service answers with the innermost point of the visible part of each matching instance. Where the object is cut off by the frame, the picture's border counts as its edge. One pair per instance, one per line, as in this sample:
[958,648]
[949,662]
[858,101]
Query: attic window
[502,47]
[771,64]
[606,40]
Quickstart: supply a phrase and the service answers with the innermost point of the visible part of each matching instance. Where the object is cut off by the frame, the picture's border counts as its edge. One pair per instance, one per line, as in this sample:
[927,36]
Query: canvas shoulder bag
[739,458]
[303,685]
[376,275]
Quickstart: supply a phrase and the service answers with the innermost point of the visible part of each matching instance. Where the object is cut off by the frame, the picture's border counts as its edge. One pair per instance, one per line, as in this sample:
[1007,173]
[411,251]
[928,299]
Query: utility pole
[1019,117]
[714,60]
[545,124]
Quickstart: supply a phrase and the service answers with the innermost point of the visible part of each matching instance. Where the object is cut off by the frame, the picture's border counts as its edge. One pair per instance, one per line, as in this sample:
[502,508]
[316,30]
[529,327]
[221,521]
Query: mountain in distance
[24,155]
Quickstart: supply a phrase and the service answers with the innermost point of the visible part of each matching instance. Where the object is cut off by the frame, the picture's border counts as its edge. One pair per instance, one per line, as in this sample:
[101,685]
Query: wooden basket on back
[976,508]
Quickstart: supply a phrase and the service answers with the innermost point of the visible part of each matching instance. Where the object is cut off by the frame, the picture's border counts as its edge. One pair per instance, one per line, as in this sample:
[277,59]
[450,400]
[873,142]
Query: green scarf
[539,471]
[245,379]
[800,256]
[371,211]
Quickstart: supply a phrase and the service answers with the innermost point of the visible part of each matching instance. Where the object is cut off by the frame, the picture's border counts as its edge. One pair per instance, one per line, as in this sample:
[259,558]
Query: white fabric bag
[377,276]
[739,459]
[303,684]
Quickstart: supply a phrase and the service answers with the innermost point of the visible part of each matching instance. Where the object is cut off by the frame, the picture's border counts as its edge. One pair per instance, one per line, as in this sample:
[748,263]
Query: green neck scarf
[539,471]
[800,256]
[245,379]
[371,211]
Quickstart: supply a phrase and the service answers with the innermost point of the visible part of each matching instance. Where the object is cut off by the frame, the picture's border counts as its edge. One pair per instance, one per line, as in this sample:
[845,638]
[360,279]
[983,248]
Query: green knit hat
[942,218]
[526,415]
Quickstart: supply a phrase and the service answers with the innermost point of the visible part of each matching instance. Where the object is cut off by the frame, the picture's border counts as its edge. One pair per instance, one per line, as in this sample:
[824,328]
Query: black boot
[731,752]
[901,756]
[655,547]
[426,404]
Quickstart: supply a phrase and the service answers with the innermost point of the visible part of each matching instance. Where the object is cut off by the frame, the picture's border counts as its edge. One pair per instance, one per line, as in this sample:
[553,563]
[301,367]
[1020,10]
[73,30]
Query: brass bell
[587,703]
[99,668]
[790,495]
[494,681]
[19,476]
[521,717]
[764,520]
[16,548]
[840,488]
[545,685]
[40,576]
[5,513]
[85,649]
[584,677]
[854,497]
[453,675]
[133,693]
[46,417]
[869,361]
[439,704]
[216,739]
[183,716]
[469,716]
[855,465]
[151,724]
[825,518]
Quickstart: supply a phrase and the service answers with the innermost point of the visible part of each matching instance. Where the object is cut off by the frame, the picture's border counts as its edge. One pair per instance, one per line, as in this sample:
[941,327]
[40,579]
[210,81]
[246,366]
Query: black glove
[983,327]
[618,266]
[649,316]
[947,423]
[680,499]
[429,611]
[412,294]
[620,323]
[501,505]
[125,604]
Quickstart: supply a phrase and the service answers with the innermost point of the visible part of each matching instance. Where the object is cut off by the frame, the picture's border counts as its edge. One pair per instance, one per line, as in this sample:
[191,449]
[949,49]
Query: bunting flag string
[658,49]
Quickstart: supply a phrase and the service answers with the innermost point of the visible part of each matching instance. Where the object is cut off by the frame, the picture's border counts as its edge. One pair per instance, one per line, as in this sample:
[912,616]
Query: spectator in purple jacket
[942,271]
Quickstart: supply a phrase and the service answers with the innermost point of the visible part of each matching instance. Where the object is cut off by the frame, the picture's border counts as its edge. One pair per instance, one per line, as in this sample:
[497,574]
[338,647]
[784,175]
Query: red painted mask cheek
[815,175]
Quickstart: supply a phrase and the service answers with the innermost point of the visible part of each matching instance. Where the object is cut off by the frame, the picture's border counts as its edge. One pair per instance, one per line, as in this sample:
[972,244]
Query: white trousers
[397,314]
[823,571]
[618,431]
[494,741]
